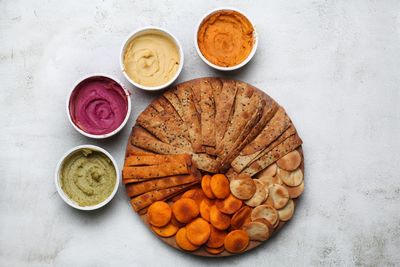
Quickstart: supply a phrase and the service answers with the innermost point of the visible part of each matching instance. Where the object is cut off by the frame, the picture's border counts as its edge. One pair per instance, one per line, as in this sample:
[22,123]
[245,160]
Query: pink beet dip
[98,105]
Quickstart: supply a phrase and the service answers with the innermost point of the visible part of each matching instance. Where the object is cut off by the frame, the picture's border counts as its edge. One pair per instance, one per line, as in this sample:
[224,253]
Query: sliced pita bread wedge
[164,126]
[157,184]
[242,161]
[224,102]
[274,128]
[206,163]
[134,150]
[155,171]
[269,109]
[174,101]
[207,116]
[145,140]
[243,108]
[144,200]
[276,153]
[238,145]
[190,116]
[140,160]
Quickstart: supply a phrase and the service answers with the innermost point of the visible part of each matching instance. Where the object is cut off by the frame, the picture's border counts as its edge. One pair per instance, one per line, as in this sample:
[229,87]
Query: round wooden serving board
[194,84]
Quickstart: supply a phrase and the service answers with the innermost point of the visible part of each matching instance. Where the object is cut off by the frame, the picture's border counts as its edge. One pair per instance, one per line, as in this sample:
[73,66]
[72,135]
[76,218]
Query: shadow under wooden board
[201,251]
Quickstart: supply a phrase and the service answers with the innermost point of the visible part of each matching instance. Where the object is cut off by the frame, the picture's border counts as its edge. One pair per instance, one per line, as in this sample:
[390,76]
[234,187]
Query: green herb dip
[88,177]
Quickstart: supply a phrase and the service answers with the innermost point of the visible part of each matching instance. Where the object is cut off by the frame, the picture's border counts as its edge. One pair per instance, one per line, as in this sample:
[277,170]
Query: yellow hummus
[225,38]
[88,177]
[151,59]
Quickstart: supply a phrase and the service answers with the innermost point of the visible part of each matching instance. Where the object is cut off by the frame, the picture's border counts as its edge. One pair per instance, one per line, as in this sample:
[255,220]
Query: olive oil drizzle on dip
[88,177]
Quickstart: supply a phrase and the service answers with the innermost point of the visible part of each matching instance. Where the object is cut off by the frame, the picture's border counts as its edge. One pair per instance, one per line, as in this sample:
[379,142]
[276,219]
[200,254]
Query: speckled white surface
[334,65]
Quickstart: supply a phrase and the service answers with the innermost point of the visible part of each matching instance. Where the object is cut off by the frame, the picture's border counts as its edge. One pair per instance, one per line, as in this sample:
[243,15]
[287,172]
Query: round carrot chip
[185,210]
[218,219]
[220,186]
[159,214]
[205,207]
[216,239]
[236,241]
[215,251]
[229,205]
[165,231]
[198,231]
[205,185]
[183,242]
[239,218]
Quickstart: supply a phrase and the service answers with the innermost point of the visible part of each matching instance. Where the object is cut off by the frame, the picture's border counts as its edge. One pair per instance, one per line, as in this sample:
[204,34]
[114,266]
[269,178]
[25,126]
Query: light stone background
[334,66]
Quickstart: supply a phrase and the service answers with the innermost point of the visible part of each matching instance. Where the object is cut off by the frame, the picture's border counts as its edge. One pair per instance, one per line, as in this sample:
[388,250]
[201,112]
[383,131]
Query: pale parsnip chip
[265,212]
[257,231]
[243,187]
[295,191]
[286,213]
[259,196]
[279,195]
[293,178]
[290,161]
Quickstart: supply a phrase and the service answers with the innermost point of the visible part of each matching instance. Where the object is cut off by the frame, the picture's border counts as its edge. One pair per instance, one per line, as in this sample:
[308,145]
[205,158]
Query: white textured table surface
[334,65]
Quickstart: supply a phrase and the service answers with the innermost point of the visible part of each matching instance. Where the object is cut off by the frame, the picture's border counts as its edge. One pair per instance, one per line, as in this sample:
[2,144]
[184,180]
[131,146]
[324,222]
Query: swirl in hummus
[88,177]
[151,59]
[98,105]
[225,38]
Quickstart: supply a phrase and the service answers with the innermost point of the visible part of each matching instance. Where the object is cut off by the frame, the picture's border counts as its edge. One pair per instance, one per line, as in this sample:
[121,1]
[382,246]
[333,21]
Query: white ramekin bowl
[140,32]
[65,197]
[221,68]
[99,136]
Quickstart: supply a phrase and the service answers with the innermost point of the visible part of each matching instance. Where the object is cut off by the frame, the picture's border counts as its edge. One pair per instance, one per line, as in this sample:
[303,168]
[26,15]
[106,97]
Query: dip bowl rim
[128,112]
[249,56]
[135,34]
[70,201]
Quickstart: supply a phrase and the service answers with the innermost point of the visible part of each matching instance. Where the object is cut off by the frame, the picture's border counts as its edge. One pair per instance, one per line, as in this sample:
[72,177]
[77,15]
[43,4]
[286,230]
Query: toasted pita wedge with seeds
[144,200]
[243,108]
[242,161]
[286,213]
[233,150]
[224,102]
[136,189]
[155,171]
[259,196]
[274,128]
[175,102]
[206,163]
[190,116]
[140,160]
[207,116]
[279,151]
[269,109]
[165,127]
[134,150]
[146,140]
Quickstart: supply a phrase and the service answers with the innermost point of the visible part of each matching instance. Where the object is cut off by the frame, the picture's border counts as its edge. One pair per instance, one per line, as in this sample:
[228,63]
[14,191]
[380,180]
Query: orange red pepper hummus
[225,38]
